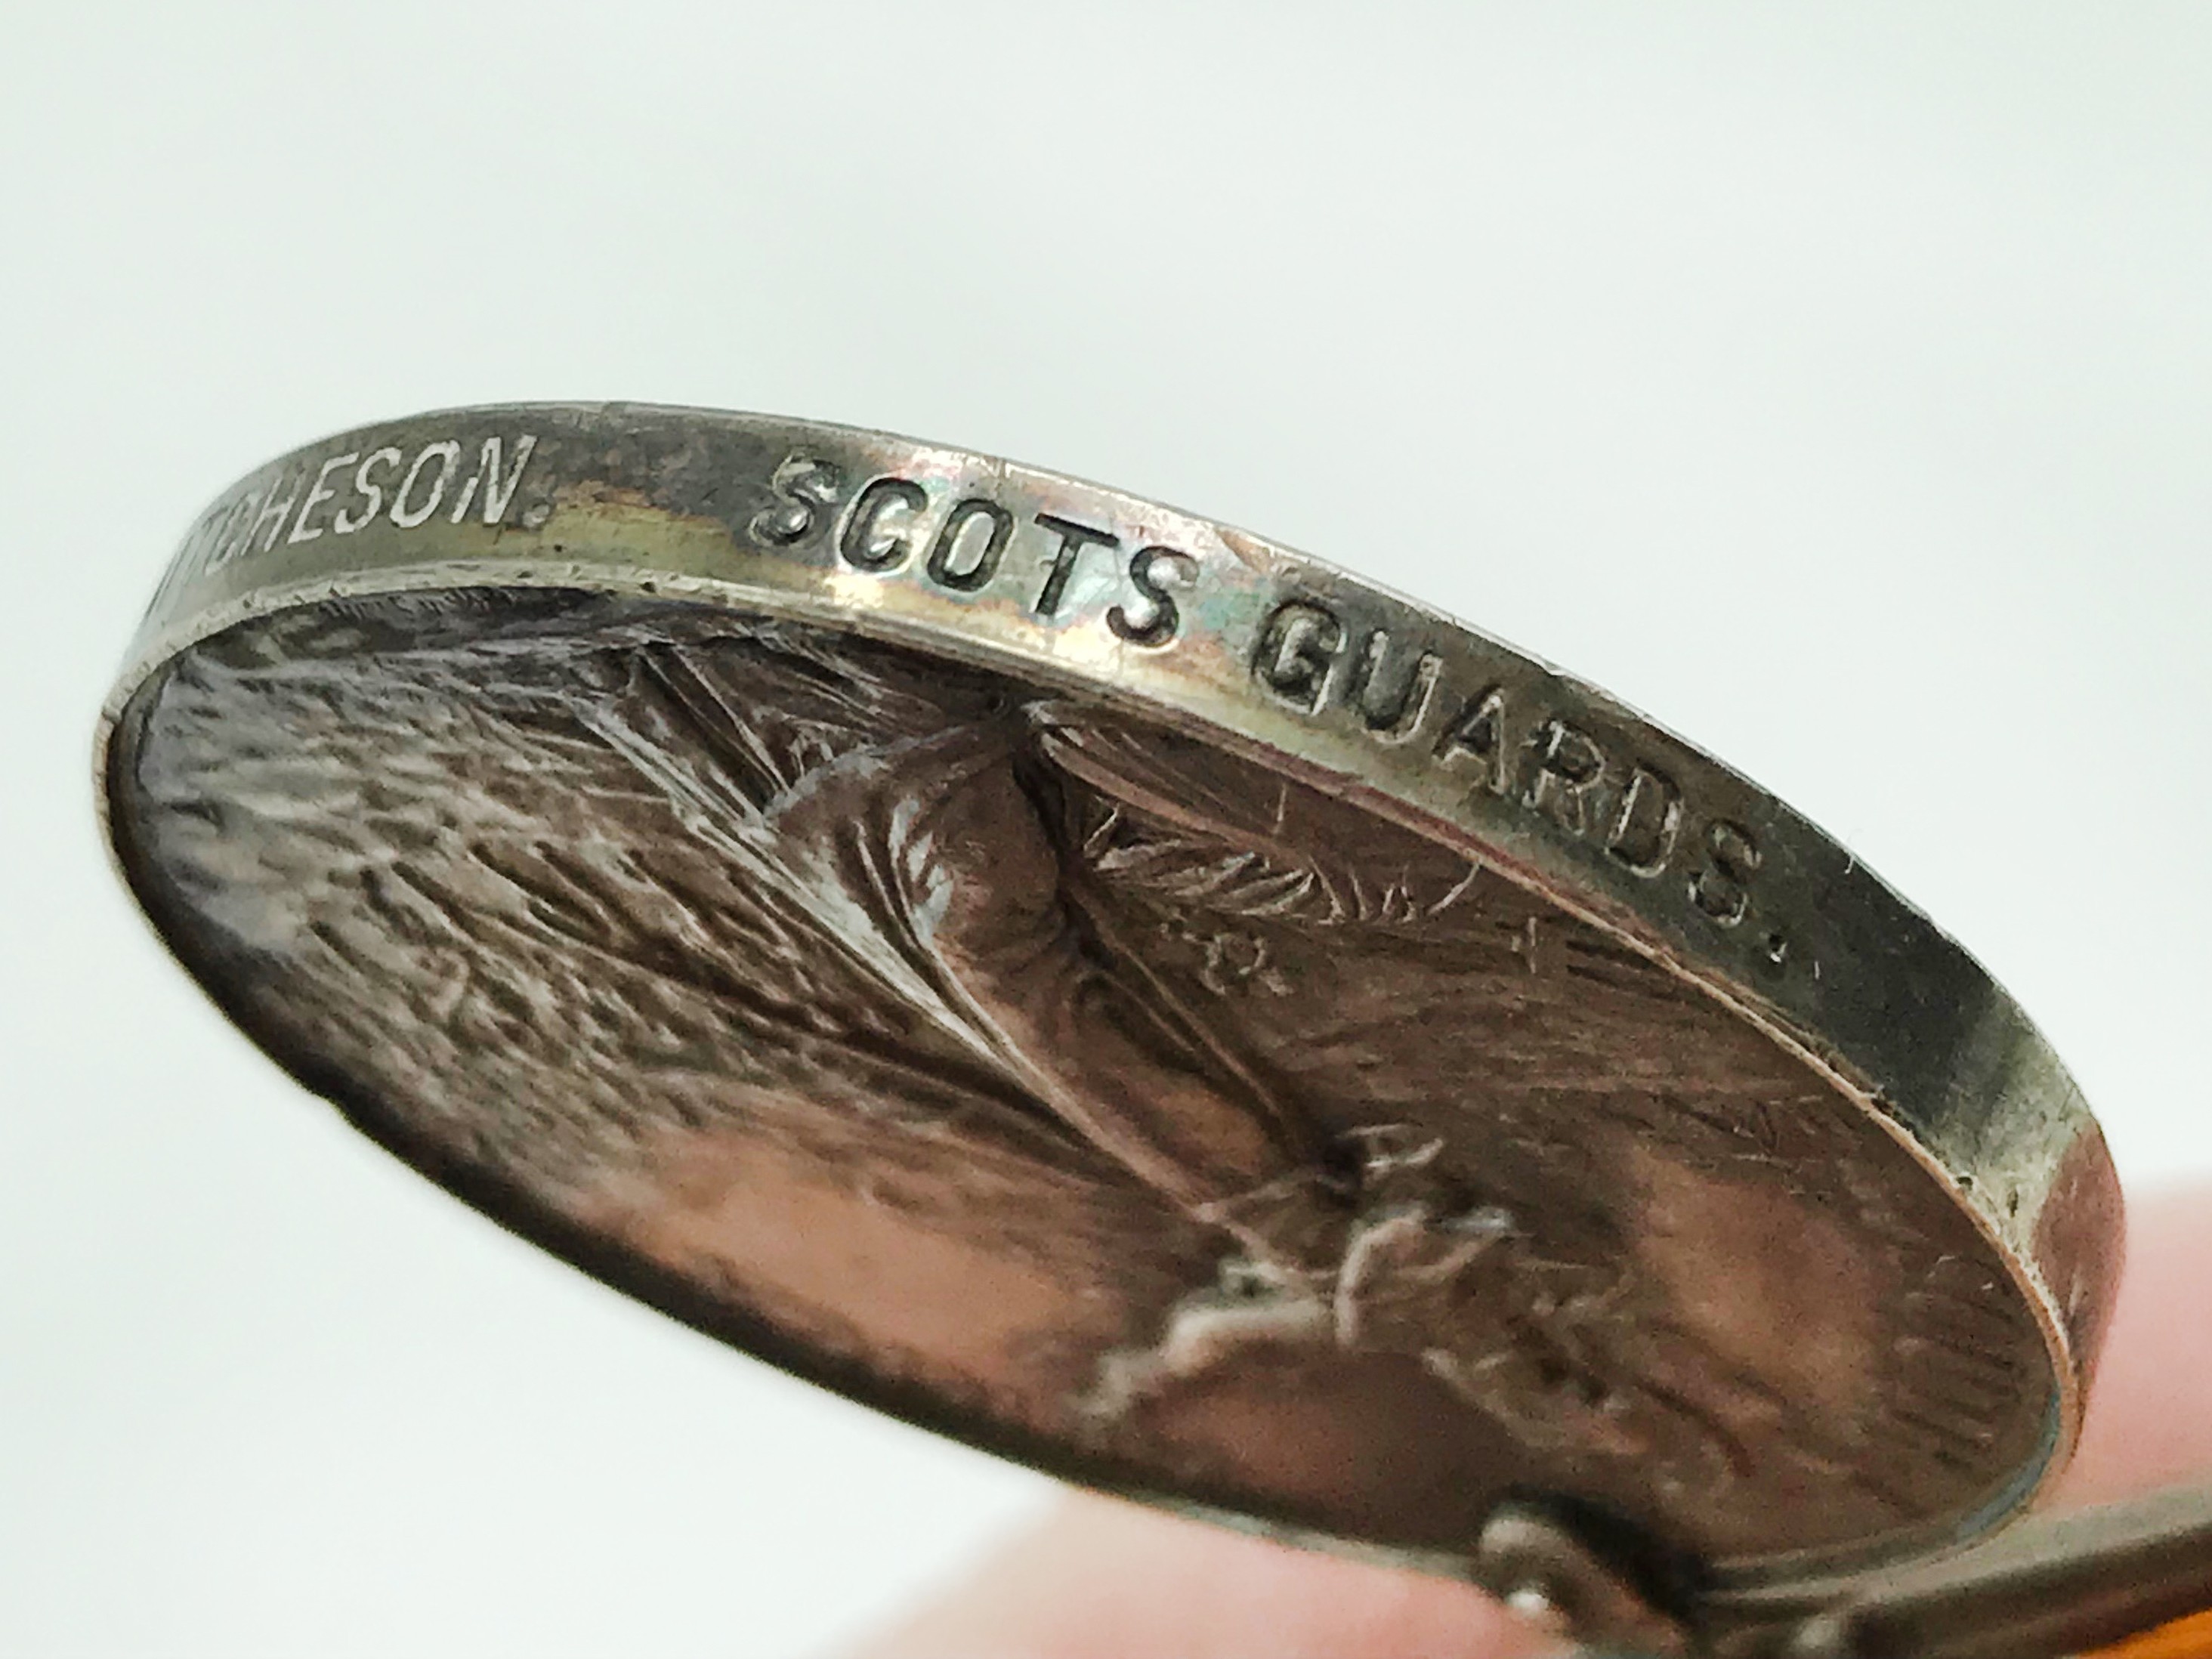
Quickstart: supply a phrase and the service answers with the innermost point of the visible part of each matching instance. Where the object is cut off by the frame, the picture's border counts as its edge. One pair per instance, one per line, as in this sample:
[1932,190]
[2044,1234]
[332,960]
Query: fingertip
[2150,1421]
[1104,1579]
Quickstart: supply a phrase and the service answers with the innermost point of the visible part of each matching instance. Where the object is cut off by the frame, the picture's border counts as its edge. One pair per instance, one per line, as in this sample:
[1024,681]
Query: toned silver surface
[1109,988]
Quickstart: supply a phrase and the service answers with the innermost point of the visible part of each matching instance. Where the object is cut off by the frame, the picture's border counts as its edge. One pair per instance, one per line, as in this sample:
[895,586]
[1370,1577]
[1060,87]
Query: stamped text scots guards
[1307,658]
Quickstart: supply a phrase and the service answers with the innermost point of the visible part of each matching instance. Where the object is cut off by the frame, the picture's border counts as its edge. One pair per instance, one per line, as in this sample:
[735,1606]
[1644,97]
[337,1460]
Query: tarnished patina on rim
[1362,1071]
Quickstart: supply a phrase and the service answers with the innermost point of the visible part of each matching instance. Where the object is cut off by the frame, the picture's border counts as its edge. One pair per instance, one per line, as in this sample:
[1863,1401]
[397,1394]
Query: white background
[1834,383]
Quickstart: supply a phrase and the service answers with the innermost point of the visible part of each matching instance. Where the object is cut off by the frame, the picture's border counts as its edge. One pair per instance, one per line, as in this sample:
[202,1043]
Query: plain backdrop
[1833,382]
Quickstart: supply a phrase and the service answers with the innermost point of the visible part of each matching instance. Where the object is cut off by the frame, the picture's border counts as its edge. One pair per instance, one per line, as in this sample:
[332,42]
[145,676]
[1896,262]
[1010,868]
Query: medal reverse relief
[1048,1066]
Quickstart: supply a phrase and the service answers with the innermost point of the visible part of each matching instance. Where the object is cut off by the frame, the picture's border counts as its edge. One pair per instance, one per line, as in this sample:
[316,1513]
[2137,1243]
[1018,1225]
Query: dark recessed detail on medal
[1113,990]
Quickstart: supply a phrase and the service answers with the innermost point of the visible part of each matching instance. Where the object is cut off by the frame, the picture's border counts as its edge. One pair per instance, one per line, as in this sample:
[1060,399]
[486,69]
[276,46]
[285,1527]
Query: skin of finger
[2150,1405]
[1106,1580]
